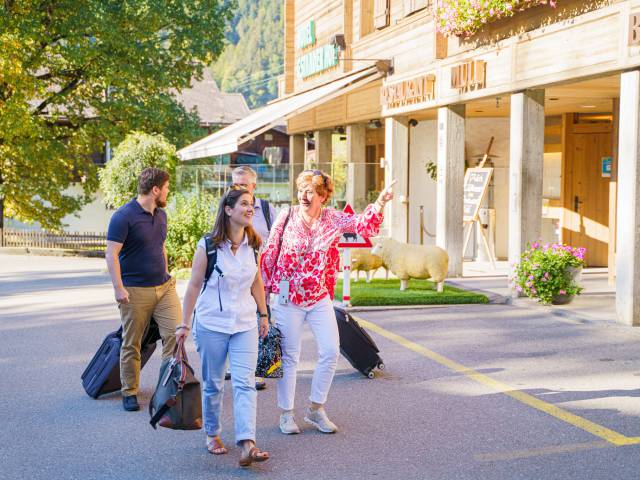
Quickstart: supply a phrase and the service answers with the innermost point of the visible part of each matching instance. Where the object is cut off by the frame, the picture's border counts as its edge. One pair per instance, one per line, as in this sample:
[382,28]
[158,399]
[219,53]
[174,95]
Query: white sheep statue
[413,261]
[363,260]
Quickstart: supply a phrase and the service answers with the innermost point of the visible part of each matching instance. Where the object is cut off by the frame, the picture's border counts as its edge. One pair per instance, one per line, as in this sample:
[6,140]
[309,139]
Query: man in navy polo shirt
[137,262]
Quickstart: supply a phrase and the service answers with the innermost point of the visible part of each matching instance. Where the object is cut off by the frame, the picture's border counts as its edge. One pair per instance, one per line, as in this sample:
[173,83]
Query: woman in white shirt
[225,321]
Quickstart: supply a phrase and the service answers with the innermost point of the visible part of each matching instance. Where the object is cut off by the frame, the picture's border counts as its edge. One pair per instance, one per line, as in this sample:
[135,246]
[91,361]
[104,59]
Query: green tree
[58,61]
[119,177]
[253,58]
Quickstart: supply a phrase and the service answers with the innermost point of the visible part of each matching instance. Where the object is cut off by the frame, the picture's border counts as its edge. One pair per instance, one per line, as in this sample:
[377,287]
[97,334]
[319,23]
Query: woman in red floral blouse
[299,265]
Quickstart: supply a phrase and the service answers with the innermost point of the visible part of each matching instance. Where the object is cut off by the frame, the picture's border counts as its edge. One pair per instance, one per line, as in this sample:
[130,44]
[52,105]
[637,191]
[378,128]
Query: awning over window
[227,140]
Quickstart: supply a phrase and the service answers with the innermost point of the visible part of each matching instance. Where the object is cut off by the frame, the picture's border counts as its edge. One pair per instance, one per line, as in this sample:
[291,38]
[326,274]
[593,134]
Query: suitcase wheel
[381,366]
[371,375]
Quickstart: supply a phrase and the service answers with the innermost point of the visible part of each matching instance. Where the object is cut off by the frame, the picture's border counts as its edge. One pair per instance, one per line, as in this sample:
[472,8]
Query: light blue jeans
[242,348]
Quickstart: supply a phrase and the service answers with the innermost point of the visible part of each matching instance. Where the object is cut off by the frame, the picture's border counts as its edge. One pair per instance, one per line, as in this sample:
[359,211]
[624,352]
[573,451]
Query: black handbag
[177,401]
[270,354]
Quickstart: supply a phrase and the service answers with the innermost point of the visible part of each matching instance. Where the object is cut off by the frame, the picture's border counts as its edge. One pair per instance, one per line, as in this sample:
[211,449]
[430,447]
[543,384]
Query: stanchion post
[346,277]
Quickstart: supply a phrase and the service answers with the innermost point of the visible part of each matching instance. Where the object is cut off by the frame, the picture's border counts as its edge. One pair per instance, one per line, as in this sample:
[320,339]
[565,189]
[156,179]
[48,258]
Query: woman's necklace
[309,223]
[234,245]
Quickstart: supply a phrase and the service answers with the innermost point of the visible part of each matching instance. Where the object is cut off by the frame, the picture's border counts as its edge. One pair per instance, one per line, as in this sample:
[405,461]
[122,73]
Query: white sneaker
[288,424]
[319,419]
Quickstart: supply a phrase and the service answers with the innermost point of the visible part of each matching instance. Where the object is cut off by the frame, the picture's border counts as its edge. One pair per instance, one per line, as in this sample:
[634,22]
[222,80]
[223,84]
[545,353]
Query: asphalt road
[469,392]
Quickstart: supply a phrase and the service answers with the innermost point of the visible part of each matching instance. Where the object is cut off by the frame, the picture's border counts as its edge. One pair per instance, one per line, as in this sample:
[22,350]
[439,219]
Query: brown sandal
[255,455]
[215,445]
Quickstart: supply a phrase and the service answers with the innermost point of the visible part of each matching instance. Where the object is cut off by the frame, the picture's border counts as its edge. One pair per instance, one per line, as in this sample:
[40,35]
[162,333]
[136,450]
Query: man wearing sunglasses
[264,216]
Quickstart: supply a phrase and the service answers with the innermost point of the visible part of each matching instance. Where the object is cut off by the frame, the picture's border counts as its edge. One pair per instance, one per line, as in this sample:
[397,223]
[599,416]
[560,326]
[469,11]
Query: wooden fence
[42,239]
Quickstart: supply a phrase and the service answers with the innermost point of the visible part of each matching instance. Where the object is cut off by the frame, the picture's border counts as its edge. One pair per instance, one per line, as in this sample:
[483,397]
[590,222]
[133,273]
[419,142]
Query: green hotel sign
[317,61]
[306,36]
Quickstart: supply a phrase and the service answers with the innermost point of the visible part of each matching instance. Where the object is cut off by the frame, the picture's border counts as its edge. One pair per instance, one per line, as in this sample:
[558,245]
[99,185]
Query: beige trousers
[163,304]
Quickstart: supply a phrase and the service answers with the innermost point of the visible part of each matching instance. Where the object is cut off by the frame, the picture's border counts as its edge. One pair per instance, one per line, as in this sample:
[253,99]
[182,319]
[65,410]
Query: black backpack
[266,211]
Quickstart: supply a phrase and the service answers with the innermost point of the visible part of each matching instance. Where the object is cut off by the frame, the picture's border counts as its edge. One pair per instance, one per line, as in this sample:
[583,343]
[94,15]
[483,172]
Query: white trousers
[322,321]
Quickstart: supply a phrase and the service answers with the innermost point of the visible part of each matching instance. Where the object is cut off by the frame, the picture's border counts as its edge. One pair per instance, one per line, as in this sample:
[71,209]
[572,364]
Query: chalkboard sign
[476,181]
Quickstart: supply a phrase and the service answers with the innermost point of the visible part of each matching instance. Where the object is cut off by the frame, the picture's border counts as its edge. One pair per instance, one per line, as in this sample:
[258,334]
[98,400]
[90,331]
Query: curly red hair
[321,182]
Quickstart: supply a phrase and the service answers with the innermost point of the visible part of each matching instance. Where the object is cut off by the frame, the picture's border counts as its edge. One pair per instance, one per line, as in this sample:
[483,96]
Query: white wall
[478,133]
[93,217]
[422,190]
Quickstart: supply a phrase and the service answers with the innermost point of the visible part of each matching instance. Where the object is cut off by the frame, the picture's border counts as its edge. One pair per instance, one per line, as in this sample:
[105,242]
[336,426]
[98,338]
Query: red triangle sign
[348,209]
[353,240]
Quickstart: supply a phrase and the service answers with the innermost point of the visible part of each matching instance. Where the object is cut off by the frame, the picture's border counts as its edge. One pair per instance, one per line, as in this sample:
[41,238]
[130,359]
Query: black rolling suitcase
[357,346]
[102,375]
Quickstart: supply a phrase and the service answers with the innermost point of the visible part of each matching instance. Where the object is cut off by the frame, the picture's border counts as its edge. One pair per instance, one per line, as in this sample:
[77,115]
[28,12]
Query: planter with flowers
[550,272]
[466,17]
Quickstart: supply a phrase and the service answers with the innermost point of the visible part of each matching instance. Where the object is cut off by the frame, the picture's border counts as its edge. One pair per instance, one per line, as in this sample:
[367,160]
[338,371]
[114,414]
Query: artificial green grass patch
[420,292]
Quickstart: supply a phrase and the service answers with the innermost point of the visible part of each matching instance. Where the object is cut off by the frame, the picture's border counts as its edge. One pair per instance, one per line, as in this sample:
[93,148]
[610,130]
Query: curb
[567,314]
[494,299]
[51,252]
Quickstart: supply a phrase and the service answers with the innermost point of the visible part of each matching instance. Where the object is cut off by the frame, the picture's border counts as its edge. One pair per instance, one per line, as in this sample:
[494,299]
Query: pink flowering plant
[544,271]
[466,17]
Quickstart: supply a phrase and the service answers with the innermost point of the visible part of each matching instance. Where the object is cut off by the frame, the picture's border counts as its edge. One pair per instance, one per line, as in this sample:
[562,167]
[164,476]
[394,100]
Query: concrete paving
[469,392]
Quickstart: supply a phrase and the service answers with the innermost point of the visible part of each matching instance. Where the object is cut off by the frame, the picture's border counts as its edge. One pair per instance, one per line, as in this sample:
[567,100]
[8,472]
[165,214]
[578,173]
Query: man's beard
[161,203]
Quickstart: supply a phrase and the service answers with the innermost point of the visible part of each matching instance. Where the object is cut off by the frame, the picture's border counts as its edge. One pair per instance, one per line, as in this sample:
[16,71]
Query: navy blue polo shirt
[142,235]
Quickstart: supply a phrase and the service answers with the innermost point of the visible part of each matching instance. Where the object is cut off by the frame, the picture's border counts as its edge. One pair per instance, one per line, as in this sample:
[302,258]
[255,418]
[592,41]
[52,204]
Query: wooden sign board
[467,76]
[410,91]
[476,182]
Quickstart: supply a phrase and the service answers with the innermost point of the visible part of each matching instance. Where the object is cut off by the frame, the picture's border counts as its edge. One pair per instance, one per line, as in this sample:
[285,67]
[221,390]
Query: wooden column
[347,30]
[289,45]
[396,153]
[526,152]
[628,231]
[296,162]
[356,167]
[450,186]
[323,153]
[613,195]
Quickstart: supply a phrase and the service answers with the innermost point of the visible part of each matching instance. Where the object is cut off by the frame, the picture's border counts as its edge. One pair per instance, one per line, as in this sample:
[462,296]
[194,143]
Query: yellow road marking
[599,431]
[537,452]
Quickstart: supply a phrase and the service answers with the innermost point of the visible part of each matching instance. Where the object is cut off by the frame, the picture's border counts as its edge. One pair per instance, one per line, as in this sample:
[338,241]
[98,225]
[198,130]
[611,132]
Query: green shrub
[119,177]
[189,218]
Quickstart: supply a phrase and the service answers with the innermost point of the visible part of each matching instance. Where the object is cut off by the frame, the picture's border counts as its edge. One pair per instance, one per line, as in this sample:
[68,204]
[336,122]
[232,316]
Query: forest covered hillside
[253,58]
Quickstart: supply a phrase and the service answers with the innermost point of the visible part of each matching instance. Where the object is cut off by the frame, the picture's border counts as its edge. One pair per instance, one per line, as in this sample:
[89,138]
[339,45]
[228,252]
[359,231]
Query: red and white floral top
[315,248]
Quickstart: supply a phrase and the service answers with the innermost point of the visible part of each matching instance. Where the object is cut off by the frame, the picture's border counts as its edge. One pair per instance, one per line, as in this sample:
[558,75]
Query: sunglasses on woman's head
[318,172]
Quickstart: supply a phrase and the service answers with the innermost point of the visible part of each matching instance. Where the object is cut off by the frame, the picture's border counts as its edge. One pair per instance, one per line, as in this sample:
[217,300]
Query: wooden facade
[573,59]
[587,40]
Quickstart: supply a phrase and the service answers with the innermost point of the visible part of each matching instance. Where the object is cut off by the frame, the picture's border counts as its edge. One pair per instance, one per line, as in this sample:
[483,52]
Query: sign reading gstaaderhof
[317,60]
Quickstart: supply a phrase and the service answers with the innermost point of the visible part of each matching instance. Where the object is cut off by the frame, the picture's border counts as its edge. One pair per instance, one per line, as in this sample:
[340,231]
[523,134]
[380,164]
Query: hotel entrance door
[588,150]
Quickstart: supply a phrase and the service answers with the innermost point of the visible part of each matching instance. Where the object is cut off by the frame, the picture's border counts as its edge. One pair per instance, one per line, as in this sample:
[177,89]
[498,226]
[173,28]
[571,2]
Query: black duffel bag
[177,401]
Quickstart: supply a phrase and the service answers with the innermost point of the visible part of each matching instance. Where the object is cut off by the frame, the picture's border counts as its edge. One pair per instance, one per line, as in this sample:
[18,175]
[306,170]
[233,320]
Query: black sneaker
[261,385]
[130,403]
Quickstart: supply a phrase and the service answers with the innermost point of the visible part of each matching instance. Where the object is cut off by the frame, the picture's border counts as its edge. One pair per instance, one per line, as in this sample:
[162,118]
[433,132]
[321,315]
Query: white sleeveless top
[234,310]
